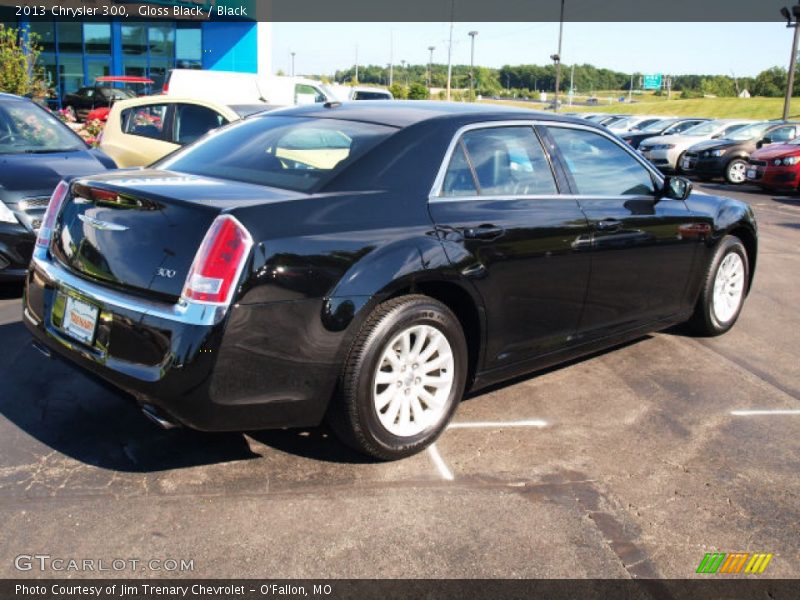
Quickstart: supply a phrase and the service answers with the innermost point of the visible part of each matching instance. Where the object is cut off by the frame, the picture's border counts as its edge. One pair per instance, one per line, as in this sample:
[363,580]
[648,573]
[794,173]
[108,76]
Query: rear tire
[402,380]
[735,172]
[725,287]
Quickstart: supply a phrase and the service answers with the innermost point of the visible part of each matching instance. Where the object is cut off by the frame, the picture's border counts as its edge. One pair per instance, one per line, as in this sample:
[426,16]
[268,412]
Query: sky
[669,48]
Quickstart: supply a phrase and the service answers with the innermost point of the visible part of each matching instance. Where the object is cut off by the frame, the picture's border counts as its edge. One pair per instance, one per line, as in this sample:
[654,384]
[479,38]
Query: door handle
[484,232]
[608,225]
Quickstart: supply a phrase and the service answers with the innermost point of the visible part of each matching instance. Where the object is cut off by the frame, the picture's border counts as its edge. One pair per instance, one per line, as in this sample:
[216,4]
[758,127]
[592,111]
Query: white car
[665,151]
[346,93]
[245,88]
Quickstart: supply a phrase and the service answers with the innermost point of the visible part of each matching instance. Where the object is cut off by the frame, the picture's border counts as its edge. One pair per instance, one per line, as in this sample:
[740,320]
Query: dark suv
[728,158]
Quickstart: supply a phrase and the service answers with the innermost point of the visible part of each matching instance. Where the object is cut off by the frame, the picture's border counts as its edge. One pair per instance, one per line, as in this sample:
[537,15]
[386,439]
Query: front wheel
[402,380]
[724,289]
[736,171]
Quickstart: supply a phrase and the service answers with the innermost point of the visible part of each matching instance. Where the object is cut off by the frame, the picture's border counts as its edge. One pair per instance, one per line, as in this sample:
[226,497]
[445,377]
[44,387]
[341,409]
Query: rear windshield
[658,126]
[285,152]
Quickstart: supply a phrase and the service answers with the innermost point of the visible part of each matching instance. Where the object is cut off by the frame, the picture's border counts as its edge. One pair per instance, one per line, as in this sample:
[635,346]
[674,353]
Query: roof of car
[5,96]
[403,113]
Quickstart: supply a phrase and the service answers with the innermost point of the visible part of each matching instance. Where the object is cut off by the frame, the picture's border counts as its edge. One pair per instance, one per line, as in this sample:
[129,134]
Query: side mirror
[676,188]
[763,142]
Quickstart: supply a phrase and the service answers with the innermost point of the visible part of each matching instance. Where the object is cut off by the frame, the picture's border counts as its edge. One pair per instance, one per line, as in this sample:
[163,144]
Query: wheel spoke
[384,377]
[385,397]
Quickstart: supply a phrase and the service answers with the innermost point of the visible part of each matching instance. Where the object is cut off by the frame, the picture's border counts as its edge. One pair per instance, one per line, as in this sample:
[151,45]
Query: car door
[503,223]
[642,246]
[190,122]
[145,135]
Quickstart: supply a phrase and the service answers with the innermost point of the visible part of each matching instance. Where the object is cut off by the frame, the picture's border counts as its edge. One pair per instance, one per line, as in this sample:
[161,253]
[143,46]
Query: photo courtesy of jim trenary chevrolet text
[420,299]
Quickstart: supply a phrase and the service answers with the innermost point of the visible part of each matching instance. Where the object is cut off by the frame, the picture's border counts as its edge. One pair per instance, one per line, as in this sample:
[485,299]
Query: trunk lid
[140,230]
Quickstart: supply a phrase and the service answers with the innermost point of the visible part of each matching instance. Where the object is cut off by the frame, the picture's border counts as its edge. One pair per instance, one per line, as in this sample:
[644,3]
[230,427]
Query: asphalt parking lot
[631,463]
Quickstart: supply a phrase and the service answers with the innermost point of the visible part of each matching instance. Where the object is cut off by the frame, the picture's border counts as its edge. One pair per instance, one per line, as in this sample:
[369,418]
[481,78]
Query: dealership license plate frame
[73,328]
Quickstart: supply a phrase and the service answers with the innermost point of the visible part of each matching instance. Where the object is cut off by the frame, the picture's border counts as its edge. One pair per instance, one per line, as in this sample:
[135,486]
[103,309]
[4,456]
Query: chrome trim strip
[101,225]
[186,312]
[434,195]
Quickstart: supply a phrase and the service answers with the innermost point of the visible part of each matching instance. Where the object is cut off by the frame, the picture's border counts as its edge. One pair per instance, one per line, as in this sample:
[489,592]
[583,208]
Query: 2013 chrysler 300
[370,262]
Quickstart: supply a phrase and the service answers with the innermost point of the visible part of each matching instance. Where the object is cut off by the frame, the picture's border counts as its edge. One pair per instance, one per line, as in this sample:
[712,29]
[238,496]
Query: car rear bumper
[210,368]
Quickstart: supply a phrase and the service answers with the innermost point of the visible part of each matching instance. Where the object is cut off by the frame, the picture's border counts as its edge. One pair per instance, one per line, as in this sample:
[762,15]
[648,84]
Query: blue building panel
[230,47]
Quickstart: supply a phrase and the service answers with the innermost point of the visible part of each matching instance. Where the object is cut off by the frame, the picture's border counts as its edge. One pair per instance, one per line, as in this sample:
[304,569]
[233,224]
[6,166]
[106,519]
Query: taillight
[51,214]
[219,262]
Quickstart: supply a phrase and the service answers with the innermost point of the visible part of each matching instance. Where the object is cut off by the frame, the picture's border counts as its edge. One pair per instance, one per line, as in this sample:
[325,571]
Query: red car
[776,167]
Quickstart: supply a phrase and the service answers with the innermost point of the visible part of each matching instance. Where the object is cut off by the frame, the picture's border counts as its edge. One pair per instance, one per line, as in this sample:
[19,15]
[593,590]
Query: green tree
[19,72]
[417,91]
[399,91]
[771,83]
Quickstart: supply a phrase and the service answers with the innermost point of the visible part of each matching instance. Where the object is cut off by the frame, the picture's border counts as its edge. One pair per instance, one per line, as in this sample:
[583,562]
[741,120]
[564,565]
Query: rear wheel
[736,171]
[402,380]
[724,289]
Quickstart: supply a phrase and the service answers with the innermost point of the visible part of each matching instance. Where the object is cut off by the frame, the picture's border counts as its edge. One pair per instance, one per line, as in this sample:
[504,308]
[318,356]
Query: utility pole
[571,84]
[793,60]
[292,53]
[557,57]
[391,57]
[430,68]
[472,35]
[356,63]
[450,51]
[630,91]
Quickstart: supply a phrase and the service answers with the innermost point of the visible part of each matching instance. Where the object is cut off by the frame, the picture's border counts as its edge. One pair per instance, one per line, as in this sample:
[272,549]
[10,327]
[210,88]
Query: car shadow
[562,365]
[92,422]
[87,419]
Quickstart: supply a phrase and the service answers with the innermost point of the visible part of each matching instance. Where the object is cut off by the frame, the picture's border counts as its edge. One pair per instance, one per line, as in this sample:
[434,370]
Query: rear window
[284,152]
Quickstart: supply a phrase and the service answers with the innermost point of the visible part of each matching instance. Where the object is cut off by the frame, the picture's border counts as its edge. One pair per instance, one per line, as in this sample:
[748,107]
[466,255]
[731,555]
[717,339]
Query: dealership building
[75,52]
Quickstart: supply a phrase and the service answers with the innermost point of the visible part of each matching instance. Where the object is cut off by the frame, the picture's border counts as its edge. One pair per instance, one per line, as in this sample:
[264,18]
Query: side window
[598,166]
[729,130]
[458,181]
[682,127]
[145,121]
[782,134]
[192,122]
[509,161]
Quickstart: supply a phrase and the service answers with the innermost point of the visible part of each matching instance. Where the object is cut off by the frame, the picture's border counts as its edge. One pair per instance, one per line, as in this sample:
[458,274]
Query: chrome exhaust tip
[152,413]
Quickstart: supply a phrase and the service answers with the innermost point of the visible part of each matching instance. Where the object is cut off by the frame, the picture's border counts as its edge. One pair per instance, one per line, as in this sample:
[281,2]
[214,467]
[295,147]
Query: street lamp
[792,24]
[472,35]
[292,53]
[556,58]
[430,67]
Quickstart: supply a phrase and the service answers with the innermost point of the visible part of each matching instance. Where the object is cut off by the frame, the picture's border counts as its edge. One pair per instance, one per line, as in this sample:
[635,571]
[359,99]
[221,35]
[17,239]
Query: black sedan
[36,152]
[670,126]
[728,158]
[86,99]
[369,262]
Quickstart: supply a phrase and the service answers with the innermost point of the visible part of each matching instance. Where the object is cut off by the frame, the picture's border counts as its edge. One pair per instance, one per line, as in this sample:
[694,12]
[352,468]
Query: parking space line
[437,459]
[760,412]
[497,424]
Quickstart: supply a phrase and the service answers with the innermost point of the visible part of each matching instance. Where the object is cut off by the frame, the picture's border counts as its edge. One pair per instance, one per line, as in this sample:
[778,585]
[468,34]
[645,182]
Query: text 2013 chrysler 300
[369,262]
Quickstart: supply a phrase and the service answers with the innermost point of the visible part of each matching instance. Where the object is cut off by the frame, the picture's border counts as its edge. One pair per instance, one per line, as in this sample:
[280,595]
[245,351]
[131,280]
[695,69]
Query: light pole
[472,35]
[403,64]
[450,50]
[557,57]
[430,67]
[292,53]
[795,12]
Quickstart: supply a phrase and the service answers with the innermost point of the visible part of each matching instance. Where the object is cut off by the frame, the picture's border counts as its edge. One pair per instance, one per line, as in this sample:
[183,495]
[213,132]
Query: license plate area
[751,173]
[79,320]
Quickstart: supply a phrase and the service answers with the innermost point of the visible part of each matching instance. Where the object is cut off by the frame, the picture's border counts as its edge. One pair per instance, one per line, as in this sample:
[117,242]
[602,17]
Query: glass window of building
[70,37]
[161,40]
[97,37]
[134,39]
[189,46]
[70,74]
[45,32]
